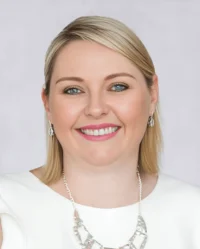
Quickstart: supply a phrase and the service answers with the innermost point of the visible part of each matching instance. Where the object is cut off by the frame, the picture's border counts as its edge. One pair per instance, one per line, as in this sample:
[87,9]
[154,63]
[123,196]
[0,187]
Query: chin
[100,159]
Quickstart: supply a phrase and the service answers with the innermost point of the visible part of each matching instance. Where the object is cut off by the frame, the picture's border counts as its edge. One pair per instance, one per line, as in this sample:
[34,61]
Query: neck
[106,186]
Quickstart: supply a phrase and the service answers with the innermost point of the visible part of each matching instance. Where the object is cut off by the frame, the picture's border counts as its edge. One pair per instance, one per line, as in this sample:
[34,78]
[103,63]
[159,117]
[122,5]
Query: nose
[96,106]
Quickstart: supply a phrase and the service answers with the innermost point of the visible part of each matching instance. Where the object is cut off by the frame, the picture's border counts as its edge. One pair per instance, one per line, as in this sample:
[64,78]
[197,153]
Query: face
[94,85]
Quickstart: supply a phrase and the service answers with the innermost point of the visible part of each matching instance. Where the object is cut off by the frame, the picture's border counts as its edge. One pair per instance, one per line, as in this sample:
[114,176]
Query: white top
[36,217]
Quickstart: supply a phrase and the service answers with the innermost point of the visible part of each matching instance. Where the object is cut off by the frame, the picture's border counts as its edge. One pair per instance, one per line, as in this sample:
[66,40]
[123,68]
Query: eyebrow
[109,77]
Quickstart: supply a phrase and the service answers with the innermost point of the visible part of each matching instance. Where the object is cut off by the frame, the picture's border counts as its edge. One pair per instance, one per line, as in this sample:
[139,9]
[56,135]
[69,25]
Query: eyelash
[75,87]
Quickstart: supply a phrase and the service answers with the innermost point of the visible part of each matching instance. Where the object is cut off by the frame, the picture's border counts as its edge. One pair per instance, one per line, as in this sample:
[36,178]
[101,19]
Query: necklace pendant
[87,241]
[139,238]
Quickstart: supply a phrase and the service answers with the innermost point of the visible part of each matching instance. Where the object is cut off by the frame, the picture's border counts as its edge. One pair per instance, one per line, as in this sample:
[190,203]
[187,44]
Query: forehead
[86,58]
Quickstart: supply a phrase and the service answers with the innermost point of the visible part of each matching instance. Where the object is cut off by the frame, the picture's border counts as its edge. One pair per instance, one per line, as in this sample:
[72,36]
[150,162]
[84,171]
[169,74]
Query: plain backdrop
[169,29]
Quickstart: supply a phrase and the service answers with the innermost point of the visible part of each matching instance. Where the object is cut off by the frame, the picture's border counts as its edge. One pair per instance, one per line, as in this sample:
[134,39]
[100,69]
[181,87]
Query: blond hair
[118,37]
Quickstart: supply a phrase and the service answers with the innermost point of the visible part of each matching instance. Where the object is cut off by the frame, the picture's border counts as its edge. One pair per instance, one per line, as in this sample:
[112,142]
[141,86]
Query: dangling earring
[51,131]
[151,121]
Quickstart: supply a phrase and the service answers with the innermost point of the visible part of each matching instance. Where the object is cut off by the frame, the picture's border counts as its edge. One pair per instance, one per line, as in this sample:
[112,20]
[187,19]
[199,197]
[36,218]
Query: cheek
[64,113]
[134,111]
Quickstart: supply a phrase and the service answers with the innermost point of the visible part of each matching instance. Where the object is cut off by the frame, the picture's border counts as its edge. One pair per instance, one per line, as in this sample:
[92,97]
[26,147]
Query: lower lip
[98,138]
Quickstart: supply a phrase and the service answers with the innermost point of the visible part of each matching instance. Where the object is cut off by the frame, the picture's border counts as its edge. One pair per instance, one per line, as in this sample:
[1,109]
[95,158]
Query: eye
[119,87]
[72,91]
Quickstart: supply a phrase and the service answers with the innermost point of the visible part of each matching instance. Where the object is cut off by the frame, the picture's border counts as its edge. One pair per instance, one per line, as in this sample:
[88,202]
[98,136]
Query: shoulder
[19,178]
[179,207]
[8,184]
[16,206]
[180,192]
[177,184]
[9,180]
[16,189]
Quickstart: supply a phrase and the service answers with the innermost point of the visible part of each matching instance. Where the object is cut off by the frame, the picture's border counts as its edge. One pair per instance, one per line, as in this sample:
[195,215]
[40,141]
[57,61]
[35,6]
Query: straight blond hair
[118,37]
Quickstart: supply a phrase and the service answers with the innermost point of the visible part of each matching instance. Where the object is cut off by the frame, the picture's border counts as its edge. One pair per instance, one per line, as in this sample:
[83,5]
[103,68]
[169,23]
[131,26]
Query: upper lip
[98,126]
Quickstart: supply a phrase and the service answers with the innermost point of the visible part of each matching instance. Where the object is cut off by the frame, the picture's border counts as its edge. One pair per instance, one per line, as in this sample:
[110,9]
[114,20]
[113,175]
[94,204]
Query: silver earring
[51,131]
[151,121]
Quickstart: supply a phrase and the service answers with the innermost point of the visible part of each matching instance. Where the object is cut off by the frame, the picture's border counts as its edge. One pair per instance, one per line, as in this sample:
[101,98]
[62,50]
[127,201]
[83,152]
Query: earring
[51,131]
[151,121]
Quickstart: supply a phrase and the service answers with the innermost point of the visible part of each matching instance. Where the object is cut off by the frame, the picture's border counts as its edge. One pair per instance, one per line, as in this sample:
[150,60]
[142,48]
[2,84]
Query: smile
[99,134]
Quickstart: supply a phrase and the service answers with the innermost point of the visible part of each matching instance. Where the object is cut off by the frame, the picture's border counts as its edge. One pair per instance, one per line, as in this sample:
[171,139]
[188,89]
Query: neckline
[149,197]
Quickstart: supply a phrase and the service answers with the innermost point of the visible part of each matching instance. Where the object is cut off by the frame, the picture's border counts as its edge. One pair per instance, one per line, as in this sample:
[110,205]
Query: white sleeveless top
[36,217]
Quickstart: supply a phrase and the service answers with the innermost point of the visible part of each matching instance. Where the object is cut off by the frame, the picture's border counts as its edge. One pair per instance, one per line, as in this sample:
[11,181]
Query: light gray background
[169,29]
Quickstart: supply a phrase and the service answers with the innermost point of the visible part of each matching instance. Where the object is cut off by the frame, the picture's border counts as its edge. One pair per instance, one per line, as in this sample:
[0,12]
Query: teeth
[96,132]
[99,132]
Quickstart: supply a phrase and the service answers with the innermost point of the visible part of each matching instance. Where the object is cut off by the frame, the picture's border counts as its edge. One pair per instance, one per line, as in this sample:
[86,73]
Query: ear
[154,94]
[45,100]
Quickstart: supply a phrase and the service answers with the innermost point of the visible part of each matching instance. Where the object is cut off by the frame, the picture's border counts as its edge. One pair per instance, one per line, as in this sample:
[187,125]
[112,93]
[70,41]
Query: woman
[101,186]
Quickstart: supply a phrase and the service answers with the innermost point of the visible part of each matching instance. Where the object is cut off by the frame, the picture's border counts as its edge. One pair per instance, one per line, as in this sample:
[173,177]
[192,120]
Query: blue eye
[120,87]
[72,91]
[117,88]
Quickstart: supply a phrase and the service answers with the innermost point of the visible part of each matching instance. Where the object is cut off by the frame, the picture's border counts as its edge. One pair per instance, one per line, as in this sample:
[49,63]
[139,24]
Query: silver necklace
[87,241]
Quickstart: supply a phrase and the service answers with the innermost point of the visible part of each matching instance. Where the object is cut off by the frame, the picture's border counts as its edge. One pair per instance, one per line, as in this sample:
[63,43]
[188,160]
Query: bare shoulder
[1,235]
